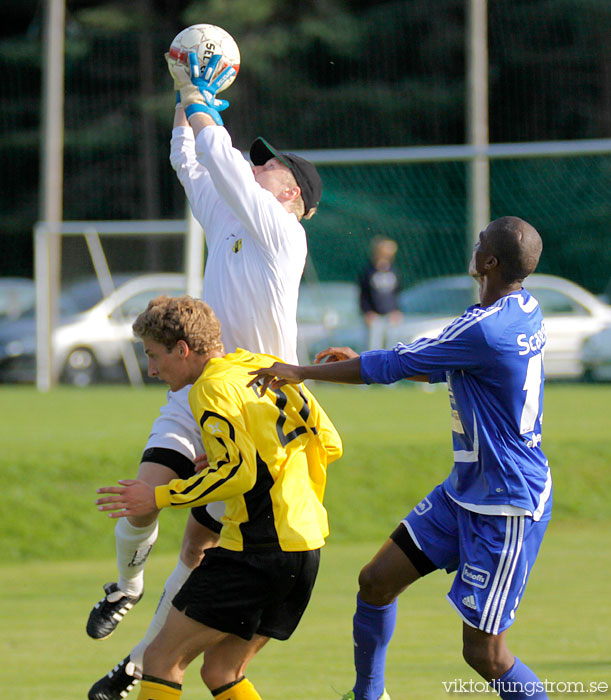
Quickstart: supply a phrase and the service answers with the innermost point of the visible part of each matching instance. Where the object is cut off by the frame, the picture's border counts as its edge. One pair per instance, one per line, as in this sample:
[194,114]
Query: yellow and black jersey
[268,458]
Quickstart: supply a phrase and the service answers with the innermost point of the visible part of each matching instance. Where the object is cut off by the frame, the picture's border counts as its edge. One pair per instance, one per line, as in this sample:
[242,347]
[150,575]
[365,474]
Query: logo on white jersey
[237,246]
[469,602]
[475,576]
[423,507]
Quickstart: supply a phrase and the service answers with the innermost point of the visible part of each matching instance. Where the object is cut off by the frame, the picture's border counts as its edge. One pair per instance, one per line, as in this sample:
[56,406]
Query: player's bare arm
[199,121]
[335,354]
[133,497]
[279,374]
[180,118]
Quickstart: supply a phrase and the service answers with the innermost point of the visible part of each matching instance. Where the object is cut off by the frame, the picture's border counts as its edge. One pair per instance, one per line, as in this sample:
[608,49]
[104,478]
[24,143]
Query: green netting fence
[320,76]
[423,206]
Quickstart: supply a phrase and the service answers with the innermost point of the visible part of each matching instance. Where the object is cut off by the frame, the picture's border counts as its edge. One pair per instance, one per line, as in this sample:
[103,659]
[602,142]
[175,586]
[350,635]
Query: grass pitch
[56,549]
[57,448]
[561,628]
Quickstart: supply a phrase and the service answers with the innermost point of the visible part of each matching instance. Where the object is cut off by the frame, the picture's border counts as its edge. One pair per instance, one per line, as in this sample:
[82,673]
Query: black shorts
[185,469]
[244,593]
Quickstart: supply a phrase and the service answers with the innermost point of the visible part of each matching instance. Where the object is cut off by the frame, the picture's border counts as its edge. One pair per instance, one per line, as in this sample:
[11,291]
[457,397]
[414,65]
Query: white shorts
[176,430]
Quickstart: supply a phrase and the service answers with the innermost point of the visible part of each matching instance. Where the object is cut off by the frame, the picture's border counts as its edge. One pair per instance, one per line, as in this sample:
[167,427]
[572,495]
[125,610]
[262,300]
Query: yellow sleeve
[230,449]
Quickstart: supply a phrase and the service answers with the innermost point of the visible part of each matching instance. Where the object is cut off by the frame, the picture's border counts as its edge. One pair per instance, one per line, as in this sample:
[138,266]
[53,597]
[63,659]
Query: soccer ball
[206,40]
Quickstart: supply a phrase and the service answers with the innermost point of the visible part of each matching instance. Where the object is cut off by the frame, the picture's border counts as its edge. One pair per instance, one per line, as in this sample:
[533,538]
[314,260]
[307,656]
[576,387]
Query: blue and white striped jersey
[491,359]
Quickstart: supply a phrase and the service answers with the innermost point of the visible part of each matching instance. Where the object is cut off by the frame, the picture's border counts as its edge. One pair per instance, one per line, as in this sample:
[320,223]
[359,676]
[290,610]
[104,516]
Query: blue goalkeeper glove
[206,85]
[197,92]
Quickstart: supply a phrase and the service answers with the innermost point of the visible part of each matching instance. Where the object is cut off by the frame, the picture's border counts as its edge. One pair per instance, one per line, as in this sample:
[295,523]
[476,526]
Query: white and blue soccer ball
[207,40]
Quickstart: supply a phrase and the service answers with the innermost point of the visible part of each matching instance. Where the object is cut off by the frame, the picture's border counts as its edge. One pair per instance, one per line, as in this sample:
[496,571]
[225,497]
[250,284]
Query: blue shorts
[493,555]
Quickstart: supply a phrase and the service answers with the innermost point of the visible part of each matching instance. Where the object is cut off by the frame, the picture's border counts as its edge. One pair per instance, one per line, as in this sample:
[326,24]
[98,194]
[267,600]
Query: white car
[91,339]
[596,356]
[322,307]
[572,315]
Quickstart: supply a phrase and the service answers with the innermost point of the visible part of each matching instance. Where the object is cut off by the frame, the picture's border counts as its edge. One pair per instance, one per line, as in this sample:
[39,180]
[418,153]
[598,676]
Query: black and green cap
[305,173]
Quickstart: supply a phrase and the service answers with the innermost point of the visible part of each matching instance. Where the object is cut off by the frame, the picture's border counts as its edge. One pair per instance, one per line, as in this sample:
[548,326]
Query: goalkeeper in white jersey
[256,252]
[268,454]
[486,521]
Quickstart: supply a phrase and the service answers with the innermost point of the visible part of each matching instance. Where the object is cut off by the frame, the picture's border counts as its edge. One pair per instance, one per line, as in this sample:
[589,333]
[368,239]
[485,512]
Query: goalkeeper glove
[197,92]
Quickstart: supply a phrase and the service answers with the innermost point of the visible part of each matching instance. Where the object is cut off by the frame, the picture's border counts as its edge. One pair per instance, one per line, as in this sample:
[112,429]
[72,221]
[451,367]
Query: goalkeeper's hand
[197,92]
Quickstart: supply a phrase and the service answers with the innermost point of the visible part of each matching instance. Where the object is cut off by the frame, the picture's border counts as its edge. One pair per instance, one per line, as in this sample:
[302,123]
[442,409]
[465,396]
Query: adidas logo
[469,602]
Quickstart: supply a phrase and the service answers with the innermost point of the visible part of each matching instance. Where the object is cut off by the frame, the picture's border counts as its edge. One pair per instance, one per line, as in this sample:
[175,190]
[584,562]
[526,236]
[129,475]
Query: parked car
[606,294]
[91,334]
[596,356]
[322,307]
[571,315]
[17,296]
[87,343]
[92,331]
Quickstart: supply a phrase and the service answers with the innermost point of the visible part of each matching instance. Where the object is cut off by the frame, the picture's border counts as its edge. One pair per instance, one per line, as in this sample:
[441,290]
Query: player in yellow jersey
[268,457]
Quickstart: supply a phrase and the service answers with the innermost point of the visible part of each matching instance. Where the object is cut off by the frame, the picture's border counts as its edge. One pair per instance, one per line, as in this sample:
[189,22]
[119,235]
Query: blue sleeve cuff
[389,366]
[438,377]
[379,367]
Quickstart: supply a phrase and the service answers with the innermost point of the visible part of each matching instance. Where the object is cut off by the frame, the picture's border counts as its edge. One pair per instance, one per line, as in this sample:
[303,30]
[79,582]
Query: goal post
[189,228]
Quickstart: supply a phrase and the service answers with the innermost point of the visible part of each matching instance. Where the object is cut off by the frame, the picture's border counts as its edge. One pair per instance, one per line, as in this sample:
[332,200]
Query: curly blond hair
[170,319]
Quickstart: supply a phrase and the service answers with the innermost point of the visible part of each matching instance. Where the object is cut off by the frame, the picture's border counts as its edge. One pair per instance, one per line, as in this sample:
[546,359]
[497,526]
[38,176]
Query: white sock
[133,547]
[173,584]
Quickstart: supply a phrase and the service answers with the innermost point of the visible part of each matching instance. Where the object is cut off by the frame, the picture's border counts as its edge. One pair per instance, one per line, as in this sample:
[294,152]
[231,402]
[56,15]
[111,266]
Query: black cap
[305,173]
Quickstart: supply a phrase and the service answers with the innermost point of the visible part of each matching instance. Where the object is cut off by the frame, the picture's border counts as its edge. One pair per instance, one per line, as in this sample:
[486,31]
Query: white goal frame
[46,278]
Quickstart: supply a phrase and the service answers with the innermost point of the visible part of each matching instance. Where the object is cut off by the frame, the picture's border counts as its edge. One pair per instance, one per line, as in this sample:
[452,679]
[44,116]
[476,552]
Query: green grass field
[57,550]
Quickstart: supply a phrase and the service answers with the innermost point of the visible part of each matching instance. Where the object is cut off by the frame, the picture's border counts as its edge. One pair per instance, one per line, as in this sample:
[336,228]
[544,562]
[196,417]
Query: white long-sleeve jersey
[256,249]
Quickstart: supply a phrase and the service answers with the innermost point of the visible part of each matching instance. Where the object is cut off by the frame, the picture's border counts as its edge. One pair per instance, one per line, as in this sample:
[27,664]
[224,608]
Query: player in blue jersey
[486,521]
